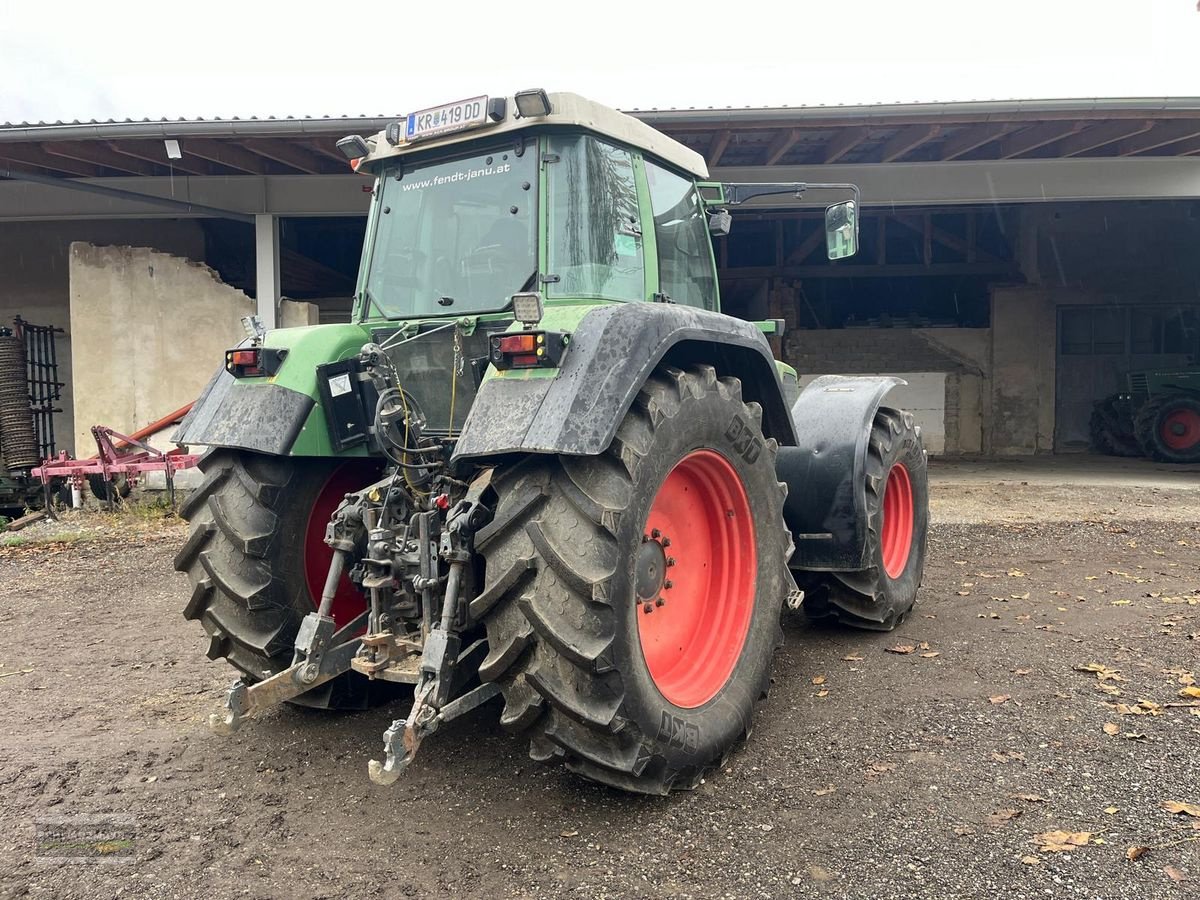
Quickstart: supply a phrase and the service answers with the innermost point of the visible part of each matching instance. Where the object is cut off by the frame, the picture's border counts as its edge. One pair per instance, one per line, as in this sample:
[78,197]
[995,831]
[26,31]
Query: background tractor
[540,464]
[1158,416]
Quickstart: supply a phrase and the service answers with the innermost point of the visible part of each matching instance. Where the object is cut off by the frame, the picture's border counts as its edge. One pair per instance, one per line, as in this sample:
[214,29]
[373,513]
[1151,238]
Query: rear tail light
[529,350]
[251,362]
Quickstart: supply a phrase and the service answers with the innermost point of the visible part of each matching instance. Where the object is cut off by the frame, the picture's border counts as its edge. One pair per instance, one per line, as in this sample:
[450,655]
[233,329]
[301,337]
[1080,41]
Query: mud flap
[826,506]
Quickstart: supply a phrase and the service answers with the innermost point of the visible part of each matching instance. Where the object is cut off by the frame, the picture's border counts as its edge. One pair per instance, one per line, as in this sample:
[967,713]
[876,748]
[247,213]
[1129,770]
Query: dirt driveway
[1040,687]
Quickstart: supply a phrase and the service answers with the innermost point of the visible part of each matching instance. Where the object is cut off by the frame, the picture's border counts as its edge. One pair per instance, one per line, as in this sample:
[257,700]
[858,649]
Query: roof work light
[532,103]
[528,308]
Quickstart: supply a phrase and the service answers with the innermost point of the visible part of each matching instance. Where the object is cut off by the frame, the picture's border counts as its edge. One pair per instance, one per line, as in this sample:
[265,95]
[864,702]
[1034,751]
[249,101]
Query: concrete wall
[955,361]
[1024,327]
[149,330]
[34,278]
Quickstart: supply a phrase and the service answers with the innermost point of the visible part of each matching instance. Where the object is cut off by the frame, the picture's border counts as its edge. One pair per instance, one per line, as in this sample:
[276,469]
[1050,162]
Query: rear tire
[252,524]
[881,596]
[1168,428]
[573,560]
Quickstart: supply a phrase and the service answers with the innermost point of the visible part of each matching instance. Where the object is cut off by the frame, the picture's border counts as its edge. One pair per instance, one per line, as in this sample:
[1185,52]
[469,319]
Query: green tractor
[1158,416]
[540,464]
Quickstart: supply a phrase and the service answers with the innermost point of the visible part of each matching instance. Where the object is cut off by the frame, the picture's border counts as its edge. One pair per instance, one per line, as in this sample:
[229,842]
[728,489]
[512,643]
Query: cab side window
[685,264]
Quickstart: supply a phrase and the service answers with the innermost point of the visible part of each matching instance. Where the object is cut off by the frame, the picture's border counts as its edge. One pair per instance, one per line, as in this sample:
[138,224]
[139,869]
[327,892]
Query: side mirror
[719,221]
[841,230]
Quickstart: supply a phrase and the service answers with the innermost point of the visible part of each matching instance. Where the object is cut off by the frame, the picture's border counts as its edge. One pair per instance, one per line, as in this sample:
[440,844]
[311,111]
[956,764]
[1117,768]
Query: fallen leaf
[1135,853]
[1111,810]
[1031,860]
[1024,596]
[1176,808]
[568,834]
[999,698]
[1000,816]
[1174,874]
[1112,728]
[1015,573]
[1121,602]
[880,768]
[852,658]
[1029,798]
[1022,671]
[823,792]
[1058,841]
[822,693]
[820,679]
[902,648]
[963,593]
[931,654]
[1190,691]
[964,830]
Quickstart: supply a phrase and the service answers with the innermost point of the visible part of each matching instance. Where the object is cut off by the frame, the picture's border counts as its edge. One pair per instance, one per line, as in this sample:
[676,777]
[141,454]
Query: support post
[266,258]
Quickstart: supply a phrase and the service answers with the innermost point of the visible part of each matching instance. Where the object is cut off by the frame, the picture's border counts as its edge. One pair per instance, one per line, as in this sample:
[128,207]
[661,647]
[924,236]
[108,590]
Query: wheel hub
[650,570]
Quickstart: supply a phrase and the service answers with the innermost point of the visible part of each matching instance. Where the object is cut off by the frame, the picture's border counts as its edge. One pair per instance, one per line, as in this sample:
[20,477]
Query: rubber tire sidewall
[695,737]
[1153,432]
[901,592]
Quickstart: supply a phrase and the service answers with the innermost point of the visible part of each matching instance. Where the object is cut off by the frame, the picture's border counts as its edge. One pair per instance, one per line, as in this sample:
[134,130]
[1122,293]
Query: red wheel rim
[348,602]
[1180,430]
[695,579]
[897,521]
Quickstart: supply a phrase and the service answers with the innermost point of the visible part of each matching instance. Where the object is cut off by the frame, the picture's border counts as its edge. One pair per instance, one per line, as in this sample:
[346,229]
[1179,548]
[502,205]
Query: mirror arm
[740,192]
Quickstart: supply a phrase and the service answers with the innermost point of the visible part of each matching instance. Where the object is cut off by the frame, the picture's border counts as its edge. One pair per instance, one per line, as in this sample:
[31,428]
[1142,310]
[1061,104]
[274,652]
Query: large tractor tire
[881,596]
[257,561]
[632,600]
[1168,428]
[1110,429]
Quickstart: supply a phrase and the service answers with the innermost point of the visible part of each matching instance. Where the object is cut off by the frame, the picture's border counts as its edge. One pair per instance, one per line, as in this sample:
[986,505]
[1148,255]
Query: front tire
[632,655]
[880,597]
[256,561]
[1168,429]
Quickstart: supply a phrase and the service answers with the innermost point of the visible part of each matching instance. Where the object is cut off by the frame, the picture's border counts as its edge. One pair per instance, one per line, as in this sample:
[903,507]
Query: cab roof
[566,109]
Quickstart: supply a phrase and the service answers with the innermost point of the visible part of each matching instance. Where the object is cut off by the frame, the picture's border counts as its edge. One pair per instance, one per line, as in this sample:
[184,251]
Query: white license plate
[444,119]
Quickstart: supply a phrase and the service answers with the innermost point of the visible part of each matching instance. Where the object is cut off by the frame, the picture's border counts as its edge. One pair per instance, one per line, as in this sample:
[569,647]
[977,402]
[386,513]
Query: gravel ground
[870,773]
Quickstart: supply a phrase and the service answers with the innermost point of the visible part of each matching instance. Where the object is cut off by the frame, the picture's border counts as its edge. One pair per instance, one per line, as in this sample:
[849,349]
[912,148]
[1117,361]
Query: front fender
[612,352]
[826,506]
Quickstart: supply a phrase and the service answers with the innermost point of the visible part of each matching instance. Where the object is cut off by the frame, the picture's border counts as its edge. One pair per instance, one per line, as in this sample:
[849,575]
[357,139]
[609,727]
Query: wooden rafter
[286,153]
[32,155]
[930,232]
[843,142]
[804,249]
[906,140]
[224,154]
[781,144]
[1102,135]
[973,138]
[97,153]
[1030,139]
[717,148]
[1160,135]
[154,152]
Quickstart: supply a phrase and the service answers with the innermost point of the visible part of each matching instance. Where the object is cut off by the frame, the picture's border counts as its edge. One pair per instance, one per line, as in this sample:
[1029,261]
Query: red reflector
[516,343]
[355,163]
[244,358]
[524,362]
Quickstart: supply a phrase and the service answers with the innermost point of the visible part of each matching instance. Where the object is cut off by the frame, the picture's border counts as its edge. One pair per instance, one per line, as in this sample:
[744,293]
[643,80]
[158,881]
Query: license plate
[446,119]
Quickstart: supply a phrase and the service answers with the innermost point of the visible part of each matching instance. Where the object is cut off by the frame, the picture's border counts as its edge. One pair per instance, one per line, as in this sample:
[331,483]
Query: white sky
[132,58]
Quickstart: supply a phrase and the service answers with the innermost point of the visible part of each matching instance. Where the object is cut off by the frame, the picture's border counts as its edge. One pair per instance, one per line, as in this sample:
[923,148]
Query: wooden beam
[328,151]
[843,142]
[907,140]
[1101,136]
[97,153]
[945,238]
[927,239]
[781,144]
[717,148]
[1187,148]
[804,249]
[32,155]
[153,152]
[285,152]
[224,154]
[973,138]
[1030,139]
[1161,135]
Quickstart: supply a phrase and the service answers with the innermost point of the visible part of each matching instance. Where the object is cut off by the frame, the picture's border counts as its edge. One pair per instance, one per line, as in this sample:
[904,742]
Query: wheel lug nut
[660,602]
[645,538]
[670,560]
[648,608]
[655,533]
[666,542]
[667,585]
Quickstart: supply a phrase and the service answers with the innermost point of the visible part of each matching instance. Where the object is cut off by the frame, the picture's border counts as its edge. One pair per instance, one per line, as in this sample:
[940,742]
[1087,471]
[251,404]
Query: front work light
[532,103]
[353,147]
[527,308]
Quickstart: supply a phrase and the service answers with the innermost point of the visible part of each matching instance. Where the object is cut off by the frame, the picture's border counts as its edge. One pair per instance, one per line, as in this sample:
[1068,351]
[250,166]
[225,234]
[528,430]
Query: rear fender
[612,352]
[826,506]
